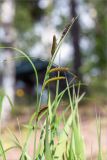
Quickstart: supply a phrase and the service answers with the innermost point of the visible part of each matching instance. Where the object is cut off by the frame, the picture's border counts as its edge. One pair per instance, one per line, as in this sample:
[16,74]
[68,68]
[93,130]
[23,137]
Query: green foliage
[23,20]
[27,12]
[101,34]
[99,37]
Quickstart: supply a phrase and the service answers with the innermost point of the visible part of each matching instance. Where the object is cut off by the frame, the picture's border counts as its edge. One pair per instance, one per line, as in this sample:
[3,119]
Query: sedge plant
[54,143]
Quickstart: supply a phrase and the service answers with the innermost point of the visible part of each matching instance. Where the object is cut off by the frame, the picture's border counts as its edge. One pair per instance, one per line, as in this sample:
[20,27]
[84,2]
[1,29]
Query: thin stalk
[34,150]
[25,145]
[57,87]
[98,121]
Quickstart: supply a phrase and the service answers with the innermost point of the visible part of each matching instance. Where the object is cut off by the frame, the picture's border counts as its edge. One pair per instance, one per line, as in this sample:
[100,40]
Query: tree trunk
[7,17]
[75,36]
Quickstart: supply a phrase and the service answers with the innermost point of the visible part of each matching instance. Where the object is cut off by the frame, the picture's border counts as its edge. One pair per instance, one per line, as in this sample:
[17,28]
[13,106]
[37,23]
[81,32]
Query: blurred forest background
[30,25]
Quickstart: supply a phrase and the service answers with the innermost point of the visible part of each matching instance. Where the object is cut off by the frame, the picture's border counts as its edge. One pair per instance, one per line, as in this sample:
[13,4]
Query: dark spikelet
[54,45]
[67,28]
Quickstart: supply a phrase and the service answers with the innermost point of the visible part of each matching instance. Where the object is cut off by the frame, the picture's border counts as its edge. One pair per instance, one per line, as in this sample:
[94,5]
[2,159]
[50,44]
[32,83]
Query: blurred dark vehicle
[26,81]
